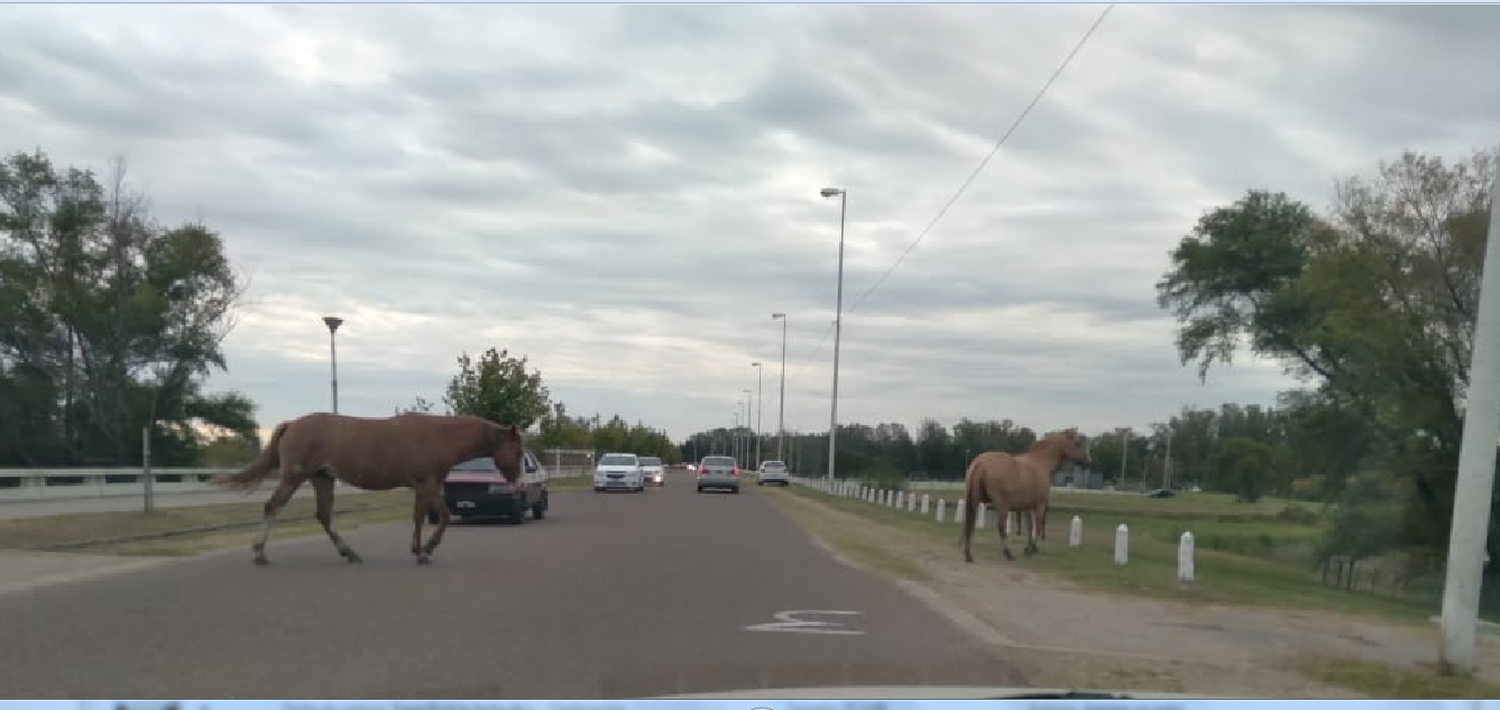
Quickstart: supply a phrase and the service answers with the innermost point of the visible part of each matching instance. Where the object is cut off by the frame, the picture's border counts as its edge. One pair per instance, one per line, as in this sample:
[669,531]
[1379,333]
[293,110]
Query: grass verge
[1221,575]
[55,531]
[1379,680]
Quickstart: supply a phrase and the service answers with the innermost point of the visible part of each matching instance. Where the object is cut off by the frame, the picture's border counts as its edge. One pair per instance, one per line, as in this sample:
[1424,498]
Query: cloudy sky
[625,194]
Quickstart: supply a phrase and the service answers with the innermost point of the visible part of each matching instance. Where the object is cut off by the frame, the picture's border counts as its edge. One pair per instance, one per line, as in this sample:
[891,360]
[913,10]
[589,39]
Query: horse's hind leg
[291,479]
[428,495]
[1002,514]
[323,483]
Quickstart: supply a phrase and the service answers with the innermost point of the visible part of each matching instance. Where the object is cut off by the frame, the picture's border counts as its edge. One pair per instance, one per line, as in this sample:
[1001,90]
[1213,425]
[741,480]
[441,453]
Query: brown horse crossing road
[612,596]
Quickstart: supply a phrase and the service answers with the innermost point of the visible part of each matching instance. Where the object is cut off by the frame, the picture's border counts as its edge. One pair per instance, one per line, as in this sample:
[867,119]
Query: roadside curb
[93,542]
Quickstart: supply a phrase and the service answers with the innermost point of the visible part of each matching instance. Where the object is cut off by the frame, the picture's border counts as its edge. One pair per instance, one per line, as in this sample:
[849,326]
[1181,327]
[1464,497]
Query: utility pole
[1468,533]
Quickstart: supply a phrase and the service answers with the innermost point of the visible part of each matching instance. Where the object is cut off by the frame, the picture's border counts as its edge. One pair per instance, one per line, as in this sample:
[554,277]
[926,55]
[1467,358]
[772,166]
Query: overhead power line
[1020,118]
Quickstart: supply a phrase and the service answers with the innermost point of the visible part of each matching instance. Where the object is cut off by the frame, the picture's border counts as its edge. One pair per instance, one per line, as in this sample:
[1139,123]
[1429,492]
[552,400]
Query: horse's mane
[1046,441]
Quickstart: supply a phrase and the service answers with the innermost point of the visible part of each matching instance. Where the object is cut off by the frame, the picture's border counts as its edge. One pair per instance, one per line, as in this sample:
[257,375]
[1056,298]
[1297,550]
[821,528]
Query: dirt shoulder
[1069,636]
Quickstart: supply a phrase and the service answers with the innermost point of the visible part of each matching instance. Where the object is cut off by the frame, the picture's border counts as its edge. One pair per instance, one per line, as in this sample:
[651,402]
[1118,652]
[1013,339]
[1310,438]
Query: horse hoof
[1030,553]
[1009,556]
[352,558]
[261,562]
[424,560]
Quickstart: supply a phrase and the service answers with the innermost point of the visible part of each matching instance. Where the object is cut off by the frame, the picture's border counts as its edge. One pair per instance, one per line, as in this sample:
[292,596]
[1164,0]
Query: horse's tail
[973,489]
[268,460]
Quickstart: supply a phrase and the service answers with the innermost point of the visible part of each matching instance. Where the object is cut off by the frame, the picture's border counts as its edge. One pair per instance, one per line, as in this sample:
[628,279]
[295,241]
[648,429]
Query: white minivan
[619,472]
[653,471]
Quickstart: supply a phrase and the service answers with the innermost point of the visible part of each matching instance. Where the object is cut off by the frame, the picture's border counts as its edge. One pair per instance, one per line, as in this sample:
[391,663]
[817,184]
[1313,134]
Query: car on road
[1161,493]
[619,472]
[477,489]
[653,471]
[774,472]
[721,472]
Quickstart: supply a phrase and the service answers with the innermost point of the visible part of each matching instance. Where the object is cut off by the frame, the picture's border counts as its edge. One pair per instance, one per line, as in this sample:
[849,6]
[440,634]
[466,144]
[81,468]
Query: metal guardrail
[31,484]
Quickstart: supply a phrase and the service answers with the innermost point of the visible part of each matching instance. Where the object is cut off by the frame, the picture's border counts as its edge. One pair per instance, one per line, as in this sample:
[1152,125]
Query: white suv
[774,472]
[619,472]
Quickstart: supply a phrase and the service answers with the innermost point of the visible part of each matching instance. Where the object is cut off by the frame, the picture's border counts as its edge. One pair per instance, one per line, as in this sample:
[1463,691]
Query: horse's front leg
[1033,521]
[420,505]
[1002,515]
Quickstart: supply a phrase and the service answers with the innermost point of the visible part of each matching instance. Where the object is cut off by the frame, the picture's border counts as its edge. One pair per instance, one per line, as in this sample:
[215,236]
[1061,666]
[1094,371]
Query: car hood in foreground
[927,692]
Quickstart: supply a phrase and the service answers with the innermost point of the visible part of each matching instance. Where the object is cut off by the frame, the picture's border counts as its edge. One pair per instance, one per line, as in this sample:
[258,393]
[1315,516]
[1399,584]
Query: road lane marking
[788,621]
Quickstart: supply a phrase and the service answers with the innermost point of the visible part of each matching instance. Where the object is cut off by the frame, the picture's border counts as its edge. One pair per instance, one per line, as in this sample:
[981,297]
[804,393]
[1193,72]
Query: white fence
[29,484]
[958,487]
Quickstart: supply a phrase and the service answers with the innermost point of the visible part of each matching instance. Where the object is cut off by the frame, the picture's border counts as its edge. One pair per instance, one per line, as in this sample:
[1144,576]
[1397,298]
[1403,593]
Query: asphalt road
[612,596]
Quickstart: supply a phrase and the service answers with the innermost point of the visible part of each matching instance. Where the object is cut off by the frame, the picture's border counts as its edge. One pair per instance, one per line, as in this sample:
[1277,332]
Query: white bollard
[911,502]
[900,499]
[1185,558]
[924,505]
[1122,544]
[1075,532]
[958,512]
[1010,523]
[941,513]
[979,516]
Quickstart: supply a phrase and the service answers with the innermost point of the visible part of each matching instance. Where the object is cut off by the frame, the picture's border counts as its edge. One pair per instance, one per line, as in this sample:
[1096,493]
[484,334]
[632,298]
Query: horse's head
[507,453]
[1072,446]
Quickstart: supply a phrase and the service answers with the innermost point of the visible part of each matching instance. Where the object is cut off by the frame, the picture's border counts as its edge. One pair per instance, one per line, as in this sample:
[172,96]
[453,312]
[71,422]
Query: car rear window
[484,463]
[617,461]
[718,461]
[774,466]
[650,461]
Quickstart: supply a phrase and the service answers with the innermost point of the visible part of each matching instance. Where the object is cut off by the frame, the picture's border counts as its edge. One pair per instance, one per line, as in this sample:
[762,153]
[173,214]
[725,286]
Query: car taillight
[734,471]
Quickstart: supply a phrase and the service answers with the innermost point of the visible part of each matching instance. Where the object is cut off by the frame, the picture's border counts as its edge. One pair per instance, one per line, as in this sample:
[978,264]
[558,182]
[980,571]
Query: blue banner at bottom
[819,703]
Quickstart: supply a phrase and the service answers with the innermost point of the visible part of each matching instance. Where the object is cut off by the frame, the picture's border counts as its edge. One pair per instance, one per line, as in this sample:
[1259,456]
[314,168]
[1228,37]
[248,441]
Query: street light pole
[760,410]
[333,323]
[749,404]
[781,405]
[838,322]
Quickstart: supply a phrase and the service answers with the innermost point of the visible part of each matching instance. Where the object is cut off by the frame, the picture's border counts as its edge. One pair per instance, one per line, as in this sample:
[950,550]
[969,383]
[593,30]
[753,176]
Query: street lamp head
[755,364]
[777,316]
[831,191]
[333,322]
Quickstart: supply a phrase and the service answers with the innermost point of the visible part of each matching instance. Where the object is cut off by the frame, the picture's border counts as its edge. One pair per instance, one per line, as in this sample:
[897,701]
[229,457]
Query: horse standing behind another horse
[409,450]
[1019,482]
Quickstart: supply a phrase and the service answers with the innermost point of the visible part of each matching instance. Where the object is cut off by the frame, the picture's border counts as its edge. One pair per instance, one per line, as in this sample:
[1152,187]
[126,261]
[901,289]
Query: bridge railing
[23,484]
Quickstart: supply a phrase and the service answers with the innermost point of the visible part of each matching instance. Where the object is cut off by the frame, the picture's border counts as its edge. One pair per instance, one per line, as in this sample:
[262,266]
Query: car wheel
[735,490]
[700,489]
[539,510]
[597,489]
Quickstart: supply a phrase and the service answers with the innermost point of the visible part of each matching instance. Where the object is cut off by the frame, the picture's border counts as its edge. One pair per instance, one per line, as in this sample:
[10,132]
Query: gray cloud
[625,194]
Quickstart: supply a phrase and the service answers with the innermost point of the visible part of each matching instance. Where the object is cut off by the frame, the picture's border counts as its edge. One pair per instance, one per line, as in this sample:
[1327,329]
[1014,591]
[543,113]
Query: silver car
[774,472]
[719,472]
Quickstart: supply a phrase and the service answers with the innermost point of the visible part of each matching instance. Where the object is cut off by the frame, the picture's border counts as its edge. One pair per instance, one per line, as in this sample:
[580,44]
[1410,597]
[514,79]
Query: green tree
[1246,467]
[108,322]
[498,388]
[1374,305]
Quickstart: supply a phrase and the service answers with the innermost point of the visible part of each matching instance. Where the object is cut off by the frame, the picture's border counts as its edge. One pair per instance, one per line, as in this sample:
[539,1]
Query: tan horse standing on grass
[405,451]
[1019,482]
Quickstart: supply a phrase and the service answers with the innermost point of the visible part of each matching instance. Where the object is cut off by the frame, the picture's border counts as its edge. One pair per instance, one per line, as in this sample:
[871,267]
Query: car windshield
[617,460]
